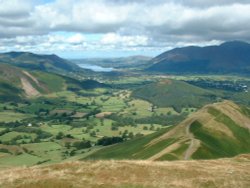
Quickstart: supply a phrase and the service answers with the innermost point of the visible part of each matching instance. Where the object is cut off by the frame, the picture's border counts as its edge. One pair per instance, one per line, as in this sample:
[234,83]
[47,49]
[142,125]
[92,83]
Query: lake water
[95,68]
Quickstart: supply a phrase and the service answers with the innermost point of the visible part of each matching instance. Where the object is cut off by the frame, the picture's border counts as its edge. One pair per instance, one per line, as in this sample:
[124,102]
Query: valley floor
[228,173]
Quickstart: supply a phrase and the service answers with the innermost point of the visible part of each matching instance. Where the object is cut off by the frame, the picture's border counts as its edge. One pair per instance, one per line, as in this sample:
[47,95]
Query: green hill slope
[176,94]
[51,63]
[18,83]
[215,131]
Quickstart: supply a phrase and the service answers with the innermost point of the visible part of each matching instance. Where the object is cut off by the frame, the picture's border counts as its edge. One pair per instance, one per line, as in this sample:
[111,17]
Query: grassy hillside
[132,149]
[38,62]
[176,94]
[217,130]
[17,83]
[223,173]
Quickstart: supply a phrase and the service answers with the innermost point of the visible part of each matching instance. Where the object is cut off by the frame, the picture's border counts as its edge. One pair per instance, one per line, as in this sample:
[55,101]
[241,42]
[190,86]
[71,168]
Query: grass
[240,133]
[55,129]
[226,173]
[112,104]
[128,149]
[51,151]
[9,116]
[53,82]
[176,94]
[19,160]
[245,111]
[181,150]
[10,135]
[148,152]
[217,144]
[42,147]
[168,157]
[69,96]
[138,107]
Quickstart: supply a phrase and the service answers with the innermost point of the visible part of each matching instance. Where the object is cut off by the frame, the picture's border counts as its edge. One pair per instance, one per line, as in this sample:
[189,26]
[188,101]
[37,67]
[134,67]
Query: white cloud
[76,39]
[125,24]
[115,39]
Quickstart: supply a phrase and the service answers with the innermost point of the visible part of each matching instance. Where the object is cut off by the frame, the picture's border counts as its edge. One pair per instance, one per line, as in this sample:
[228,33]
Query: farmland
[67,124]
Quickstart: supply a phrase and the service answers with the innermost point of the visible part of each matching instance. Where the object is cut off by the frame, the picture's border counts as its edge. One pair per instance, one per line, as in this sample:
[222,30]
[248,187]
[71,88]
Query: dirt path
[194,144]
[165,151]
[28,88]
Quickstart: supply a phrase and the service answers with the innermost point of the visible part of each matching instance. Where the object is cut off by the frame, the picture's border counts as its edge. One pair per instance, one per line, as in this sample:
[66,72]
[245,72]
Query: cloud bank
[75,25]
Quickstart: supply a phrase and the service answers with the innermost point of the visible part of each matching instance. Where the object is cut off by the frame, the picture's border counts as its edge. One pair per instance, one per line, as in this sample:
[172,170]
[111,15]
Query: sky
[115,28]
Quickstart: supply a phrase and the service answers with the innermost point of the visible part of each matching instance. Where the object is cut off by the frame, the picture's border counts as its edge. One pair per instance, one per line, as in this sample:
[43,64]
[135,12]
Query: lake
[95,68]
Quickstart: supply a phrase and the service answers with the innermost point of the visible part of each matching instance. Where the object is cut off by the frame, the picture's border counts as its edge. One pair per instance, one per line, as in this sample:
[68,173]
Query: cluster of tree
[82,144]
[162,119]
[120,121]
[4,131]
[92,113]
[11,124]
[109,140]
[60,136]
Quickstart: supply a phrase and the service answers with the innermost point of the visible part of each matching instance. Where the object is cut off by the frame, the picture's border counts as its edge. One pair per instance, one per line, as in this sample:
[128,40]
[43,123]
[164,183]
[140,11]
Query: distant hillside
[215,131]
[229,57]
[17,83]
[176,94]
[32,61]
[223,173]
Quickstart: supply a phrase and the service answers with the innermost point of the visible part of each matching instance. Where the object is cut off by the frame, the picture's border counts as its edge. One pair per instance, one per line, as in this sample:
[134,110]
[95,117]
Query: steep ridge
[215,131]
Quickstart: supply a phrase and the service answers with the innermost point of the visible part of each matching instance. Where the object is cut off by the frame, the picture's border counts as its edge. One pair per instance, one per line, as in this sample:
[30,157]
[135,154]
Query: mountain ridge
[229,57]
[32,61]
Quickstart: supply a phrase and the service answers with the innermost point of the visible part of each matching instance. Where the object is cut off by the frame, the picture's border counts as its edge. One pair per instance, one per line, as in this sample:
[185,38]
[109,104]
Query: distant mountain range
[229,57]
[50,63]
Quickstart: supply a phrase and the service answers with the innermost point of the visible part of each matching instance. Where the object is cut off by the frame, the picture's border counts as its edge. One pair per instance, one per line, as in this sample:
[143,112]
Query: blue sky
[114,28]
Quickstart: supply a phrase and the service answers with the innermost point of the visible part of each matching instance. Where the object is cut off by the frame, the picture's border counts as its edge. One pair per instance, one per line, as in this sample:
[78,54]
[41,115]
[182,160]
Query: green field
[9,116]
